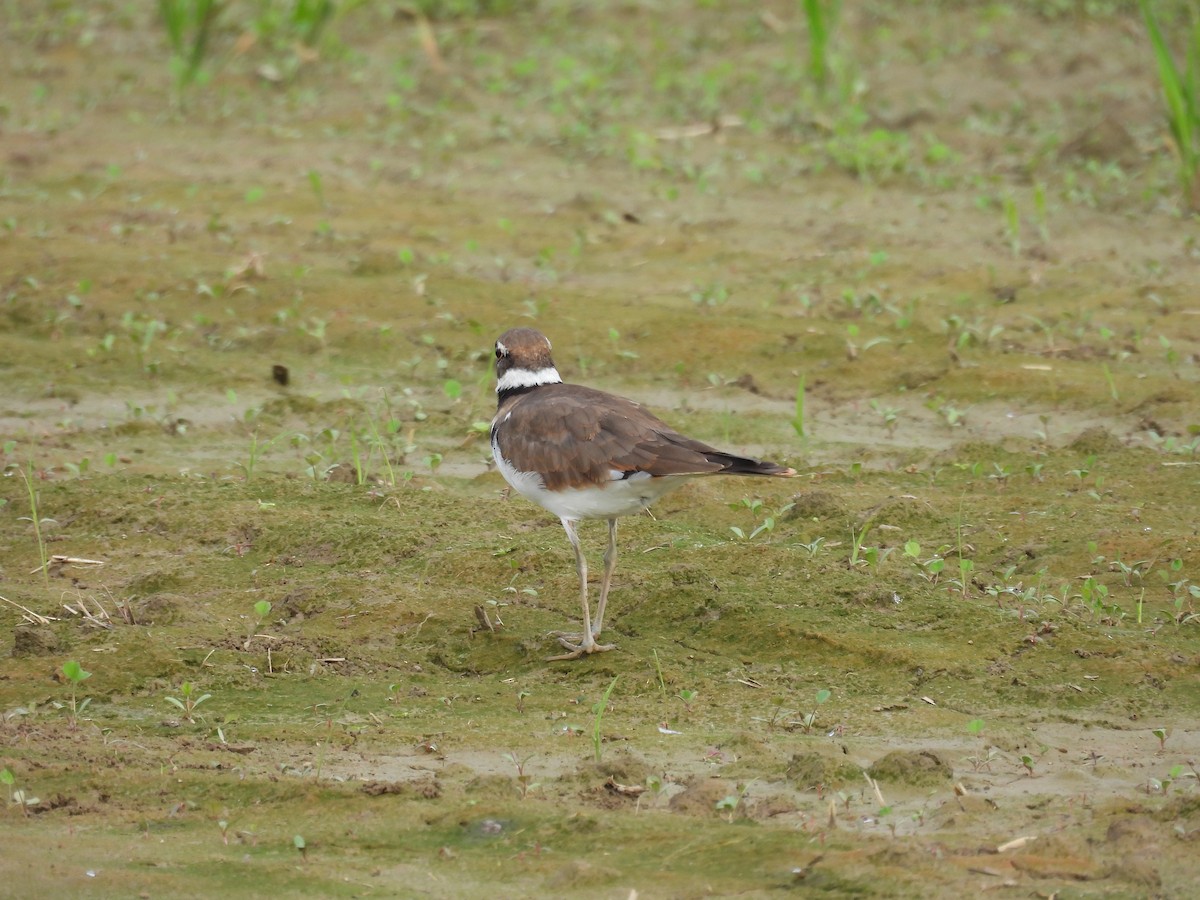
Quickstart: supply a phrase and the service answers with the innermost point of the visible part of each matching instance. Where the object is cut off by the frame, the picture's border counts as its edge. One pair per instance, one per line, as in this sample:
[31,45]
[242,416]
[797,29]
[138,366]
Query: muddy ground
[959,654]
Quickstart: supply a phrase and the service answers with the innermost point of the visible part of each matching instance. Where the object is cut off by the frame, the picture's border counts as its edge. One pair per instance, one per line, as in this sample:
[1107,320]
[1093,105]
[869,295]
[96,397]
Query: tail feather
[744,465]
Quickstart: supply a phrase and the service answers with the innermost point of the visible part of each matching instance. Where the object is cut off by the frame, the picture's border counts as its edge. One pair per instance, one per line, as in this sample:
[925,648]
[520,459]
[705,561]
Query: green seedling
[656,785]
[1093,593]
[1040,213]
[32,494]
[709,296]
[525,782]
[862,555]
[882,817]
[975,727]
[812,548]
[965,566]
[189,25]
[75,674]
[767,525]
[890,416]
[598,709]
[779,712]
[933,568]
[1000,474]
[301,846]
[809,720]
[1181,96]
[257,449]
[318,187]
[1012,225]
[662,684]
[261,609]
[1175,773]
[731,803]
[821,16]
[15,794]
[188,700]
[687,696]
[798,415]
[1161,734]
[1112,384]
[1027,763]
[522,696]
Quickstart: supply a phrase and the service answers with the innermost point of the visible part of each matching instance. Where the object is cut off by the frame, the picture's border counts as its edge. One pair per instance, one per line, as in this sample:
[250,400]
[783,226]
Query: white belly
[619,497]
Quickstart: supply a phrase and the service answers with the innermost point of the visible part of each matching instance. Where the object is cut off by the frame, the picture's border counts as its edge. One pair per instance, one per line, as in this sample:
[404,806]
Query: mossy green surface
[994,521]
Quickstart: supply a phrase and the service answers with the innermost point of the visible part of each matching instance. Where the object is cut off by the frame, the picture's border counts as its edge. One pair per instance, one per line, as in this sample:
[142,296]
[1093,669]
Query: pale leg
[610,563]
[588,643]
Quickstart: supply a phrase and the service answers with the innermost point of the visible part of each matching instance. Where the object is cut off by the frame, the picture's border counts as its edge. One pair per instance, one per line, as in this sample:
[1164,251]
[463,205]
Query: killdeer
[585,454]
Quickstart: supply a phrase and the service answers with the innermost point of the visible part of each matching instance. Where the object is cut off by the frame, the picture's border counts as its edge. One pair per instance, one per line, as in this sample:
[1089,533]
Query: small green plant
[75,674]
[929,569]
[1181,95]
[856,545]
[1161,734]
[1012,225]
[188,700]
[32,493]
[821,16]
[1175,773]
[813,547]
[189,25]
[890,416]
[990,754]
[1094,594]
[779,713]
[598,710]
[809,720]
[1112,384]
[261,609]
[656,785]
[708,296]
[257,449]
[301,846]
[662,684]
[798,415]
[525,782]
[766,526]
[731,803]
[965,565]
[686,696]
[17,795]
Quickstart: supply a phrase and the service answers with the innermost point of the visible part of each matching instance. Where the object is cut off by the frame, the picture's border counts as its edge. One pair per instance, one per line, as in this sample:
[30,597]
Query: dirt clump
[35,640]
[914,767]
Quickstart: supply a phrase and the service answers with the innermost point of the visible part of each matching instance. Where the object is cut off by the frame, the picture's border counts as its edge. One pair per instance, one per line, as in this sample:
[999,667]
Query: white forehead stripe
[514,379]
[501,348]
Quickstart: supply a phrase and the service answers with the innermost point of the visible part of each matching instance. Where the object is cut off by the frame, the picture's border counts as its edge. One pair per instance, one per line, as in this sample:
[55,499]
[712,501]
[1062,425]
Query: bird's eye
[499,353]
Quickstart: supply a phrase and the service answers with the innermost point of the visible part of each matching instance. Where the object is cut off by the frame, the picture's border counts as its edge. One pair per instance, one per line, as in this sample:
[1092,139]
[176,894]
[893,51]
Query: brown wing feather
[583,434]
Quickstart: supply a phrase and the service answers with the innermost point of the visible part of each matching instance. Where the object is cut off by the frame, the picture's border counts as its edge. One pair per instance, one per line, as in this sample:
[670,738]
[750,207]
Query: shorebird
[585,454]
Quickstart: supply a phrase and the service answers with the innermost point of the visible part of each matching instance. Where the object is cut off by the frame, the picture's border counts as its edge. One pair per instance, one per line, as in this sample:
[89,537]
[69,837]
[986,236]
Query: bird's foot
[587,644]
